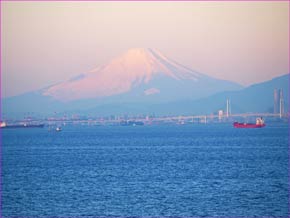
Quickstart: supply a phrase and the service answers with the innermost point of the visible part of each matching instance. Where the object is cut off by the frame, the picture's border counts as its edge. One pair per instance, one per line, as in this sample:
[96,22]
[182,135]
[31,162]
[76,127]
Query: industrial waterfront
[152,120]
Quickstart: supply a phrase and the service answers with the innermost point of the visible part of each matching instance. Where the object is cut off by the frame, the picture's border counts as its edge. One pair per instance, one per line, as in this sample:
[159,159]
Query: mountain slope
[139,76]
[255,98]
[139,73]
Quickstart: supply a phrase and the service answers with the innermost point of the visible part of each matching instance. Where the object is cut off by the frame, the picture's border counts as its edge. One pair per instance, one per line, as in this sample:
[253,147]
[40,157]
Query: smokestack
[281,103]
[276,101]
[228,107]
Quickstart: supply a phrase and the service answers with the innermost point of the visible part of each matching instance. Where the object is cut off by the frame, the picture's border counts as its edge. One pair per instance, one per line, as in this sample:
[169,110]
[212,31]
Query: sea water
[178,170]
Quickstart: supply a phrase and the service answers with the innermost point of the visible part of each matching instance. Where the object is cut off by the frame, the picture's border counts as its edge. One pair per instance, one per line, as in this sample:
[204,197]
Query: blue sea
[185,170]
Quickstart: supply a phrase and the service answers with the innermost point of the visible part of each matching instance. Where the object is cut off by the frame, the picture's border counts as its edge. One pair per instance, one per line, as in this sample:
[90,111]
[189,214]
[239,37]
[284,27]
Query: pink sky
[47,42]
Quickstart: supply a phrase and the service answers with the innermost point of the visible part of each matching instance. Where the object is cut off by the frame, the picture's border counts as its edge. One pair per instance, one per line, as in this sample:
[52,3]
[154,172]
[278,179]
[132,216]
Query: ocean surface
[185,170]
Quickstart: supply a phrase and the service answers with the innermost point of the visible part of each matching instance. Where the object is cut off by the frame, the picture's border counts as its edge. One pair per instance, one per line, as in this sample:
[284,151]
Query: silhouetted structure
[278,102]
[228,107]
[281,103]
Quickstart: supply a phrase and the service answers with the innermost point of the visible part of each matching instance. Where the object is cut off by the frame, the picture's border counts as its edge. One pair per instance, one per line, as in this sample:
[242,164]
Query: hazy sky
[47,42]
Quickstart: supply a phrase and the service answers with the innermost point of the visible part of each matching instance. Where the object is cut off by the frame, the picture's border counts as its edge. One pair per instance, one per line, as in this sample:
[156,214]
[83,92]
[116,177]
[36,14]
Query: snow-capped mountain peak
[134,69]
[120,75]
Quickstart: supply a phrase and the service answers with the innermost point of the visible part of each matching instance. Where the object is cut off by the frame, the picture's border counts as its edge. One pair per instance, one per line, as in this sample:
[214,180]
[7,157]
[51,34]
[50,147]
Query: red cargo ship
[259,124]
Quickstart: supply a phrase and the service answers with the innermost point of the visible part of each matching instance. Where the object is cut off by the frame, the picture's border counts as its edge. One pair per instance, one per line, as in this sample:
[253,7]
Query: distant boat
[259,124]
[24,125]
[131,123]
[58,129]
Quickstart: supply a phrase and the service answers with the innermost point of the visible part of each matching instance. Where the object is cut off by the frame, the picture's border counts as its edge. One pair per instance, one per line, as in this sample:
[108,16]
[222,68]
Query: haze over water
[187,170]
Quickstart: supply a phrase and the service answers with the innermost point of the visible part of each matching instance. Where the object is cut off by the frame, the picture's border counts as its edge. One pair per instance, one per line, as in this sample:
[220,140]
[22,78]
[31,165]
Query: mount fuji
[139,76]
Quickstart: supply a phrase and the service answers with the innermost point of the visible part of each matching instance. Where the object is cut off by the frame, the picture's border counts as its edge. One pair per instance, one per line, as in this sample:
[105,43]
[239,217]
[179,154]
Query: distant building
[220,114]
[281,103]
[278,102]
[228,111]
